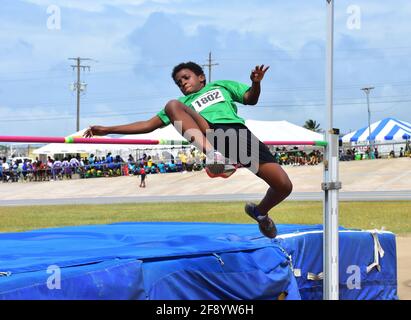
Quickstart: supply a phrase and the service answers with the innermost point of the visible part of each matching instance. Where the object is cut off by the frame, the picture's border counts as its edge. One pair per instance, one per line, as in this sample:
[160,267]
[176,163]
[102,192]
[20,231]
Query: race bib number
[208,99]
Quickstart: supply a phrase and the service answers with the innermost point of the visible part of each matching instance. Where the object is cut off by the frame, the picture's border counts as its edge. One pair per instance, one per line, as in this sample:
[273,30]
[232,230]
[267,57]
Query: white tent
[264,130]
[165,133]
[63,148]
[383,131]
[281,131]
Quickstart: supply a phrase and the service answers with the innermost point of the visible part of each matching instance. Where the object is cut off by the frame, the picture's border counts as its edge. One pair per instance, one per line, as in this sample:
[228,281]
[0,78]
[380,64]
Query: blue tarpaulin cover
[367,264]
[166,260]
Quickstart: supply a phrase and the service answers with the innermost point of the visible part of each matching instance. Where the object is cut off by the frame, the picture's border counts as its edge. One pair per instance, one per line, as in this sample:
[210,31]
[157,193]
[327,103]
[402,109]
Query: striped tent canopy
[386,130]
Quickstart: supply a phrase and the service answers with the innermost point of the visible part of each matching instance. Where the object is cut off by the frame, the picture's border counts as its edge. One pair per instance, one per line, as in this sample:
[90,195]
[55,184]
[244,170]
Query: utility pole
[367,92]
[209,65]
[78,86]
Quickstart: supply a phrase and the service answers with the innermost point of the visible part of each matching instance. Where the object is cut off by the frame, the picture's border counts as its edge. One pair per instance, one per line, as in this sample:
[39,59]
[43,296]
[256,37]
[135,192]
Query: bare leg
[280,186]
[193,126]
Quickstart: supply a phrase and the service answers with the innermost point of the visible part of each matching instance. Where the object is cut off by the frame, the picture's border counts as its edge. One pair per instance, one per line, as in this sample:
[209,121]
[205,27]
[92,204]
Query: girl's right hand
[94,131]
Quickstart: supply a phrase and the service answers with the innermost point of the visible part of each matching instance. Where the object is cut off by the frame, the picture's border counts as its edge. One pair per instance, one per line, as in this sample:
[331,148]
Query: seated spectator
[162,167]
[154,169]
[131,167]
[313,159]
[172,167]
[376,153]
[354,154]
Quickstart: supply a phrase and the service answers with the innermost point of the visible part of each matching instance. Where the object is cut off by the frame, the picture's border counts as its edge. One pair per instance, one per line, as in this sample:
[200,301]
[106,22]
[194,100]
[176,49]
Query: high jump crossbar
[38,139]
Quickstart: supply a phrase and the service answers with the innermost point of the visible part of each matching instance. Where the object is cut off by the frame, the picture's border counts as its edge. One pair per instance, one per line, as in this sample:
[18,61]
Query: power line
[111,115]
[153,111]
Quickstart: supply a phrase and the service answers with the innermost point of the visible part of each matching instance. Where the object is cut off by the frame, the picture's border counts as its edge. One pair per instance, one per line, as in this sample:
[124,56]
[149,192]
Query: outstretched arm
[131,128]
[252,95]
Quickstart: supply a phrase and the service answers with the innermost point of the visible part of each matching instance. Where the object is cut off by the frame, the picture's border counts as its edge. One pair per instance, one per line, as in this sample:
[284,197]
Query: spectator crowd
[53,169]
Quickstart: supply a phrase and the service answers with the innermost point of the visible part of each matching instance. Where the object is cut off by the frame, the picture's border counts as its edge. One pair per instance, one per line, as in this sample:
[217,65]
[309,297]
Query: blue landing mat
[163,261]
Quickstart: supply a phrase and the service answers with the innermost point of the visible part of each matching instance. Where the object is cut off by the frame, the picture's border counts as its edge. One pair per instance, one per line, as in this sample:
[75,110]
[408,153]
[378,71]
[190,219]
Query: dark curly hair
[197,69]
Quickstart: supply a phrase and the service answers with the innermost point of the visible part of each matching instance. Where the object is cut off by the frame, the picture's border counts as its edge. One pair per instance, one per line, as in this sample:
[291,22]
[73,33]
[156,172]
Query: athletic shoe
[265,223]
[218,167]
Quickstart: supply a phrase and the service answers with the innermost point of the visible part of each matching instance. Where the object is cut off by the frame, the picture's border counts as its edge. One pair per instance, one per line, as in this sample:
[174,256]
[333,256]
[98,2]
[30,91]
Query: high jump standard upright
[331,185]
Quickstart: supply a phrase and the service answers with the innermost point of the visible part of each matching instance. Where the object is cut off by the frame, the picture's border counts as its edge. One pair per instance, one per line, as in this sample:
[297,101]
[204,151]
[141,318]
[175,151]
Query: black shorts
[245,146]
[143,177]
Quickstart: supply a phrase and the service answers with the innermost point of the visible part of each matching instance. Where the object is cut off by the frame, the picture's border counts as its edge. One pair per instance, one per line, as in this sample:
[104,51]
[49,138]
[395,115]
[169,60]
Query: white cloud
[87,5]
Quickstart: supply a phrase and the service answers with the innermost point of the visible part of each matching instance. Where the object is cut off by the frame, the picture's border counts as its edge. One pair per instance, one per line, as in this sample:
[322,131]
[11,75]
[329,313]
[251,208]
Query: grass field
[394,216]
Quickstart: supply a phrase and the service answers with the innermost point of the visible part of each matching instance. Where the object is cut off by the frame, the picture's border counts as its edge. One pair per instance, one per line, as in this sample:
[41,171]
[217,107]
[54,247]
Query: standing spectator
[5,170]
[74,164]
[1,168]
[56,169]
[30,170]
[401,152]
[91,159]
[41,170]
[49,167]
[109,158]
[149,162]
[183,159]
[24,169]
[407,147]
[14,171]
[142,176]
[66,168]
[353,153]
[131,164]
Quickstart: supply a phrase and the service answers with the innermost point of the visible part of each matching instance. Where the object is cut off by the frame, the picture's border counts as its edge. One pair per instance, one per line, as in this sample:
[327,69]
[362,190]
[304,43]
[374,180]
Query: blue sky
[134,45]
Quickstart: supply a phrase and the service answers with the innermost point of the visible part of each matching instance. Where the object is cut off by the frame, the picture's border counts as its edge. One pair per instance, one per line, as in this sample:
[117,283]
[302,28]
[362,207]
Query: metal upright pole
[209,65]
[367,92]
[330,184]
[369,118]
[78,86]
[78,95]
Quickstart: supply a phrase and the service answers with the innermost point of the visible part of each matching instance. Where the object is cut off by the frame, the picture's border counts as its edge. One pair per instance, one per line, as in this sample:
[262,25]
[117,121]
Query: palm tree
[312,125]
